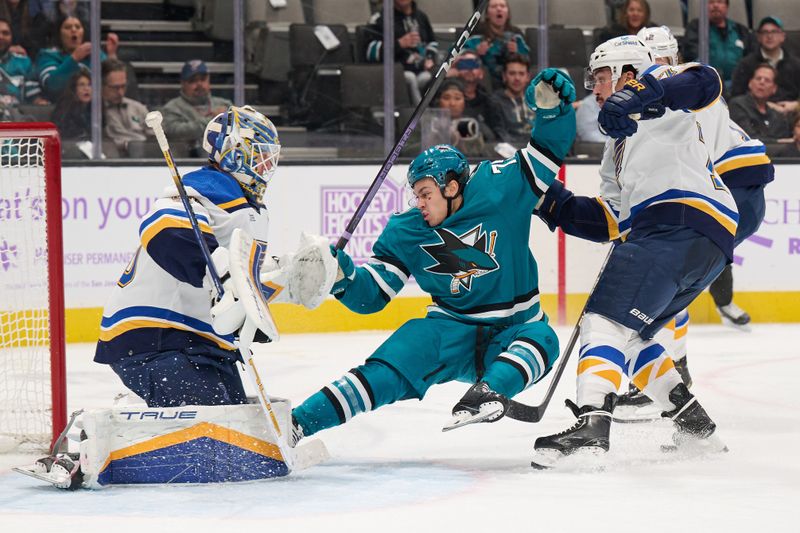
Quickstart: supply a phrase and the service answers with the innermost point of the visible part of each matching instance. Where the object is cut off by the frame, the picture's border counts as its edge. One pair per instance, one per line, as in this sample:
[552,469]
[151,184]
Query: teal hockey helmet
[442,163]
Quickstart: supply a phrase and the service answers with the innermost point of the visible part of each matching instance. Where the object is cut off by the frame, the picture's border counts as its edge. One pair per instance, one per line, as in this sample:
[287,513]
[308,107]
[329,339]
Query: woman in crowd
[72,114]
[496,39]
[467,133]
[632,17]
[56,65]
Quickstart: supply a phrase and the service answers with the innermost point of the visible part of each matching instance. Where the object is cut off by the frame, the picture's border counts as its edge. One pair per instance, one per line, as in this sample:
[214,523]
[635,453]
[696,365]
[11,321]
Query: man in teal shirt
[728,40]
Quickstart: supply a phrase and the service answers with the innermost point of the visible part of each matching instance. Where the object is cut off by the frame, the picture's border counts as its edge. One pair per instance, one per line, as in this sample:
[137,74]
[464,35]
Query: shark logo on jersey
[463,257]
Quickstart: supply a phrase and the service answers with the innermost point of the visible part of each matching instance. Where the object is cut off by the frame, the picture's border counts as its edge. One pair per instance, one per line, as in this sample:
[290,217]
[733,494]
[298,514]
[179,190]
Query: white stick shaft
[246,336]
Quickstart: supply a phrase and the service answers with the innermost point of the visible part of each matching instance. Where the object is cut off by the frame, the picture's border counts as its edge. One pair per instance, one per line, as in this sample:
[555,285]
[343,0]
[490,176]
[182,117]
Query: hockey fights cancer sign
[339,204]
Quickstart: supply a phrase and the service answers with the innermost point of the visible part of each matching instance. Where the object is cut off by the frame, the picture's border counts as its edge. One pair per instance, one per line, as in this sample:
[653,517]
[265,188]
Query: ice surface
[394,470]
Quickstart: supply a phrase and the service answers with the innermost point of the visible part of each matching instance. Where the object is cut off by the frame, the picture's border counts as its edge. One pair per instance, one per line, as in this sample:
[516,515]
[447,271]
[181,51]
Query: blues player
[158,331]
[744,167]
[676,221]
[164,330]
[466,244]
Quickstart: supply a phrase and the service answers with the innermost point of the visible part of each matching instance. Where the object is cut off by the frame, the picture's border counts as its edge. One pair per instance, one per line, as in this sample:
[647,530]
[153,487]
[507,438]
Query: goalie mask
[661,41]
[615,54]
[244,143]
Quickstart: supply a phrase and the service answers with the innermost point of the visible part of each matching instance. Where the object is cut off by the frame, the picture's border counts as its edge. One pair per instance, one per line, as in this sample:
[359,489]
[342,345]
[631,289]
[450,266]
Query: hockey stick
[153,120]
[534,413]
[410,126]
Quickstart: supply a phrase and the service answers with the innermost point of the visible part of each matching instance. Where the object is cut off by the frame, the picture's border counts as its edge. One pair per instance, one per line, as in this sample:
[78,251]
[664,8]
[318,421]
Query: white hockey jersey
[663,174]
[161,301]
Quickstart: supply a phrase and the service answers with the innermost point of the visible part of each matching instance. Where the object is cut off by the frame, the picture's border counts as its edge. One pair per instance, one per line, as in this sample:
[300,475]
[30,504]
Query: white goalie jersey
[162,300]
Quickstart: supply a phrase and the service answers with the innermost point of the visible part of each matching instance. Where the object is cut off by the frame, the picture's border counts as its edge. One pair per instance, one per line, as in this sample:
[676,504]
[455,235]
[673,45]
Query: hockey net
[32,375]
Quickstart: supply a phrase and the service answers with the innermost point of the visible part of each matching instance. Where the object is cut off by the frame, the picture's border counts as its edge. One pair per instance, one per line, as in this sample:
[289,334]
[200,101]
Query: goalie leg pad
[194,444]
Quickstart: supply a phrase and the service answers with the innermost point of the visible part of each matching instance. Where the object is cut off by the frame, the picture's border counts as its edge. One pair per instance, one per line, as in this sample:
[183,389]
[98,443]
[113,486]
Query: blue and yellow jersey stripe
[748,154]
[166,219]
[612,218]
[144,317]
[725,217]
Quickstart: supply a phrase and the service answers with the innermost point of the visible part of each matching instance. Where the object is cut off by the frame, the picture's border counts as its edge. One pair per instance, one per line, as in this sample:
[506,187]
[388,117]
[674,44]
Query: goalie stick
[410,126]
[153,120]
[534,413]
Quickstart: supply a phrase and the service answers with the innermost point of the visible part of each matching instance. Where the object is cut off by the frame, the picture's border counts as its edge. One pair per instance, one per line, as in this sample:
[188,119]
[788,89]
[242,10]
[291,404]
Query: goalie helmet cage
[32,338]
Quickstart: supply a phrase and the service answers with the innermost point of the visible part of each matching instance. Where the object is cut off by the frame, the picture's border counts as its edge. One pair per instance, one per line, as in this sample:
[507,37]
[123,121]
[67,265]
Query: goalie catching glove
[303,278]
[306,277]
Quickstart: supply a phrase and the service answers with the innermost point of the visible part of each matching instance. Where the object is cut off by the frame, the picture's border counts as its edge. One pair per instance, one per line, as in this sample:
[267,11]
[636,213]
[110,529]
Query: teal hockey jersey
[476,265]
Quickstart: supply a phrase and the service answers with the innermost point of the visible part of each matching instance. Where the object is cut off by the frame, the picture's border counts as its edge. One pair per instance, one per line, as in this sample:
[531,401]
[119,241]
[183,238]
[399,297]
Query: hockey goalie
[177,330]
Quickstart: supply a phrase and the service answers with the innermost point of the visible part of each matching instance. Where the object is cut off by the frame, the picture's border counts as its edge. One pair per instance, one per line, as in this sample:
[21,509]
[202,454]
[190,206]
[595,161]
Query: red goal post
[32,339]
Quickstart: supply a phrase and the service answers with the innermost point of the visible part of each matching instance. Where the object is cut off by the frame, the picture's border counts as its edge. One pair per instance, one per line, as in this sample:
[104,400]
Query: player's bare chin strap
[450,201]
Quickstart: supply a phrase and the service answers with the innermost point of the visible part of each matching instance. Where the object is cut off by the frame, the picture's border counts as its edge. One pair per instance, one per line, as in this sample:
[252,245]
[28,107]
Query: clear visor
[411,194]
[600,76]
[264,159]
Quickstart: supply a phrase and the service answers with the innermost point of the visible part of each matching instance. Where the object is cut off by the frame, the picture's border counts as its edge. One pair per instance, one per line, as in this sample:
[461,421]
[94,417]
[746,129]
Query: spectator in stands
[496,39]
[514,117]
[770,37]
[586,111]
[29,25]
[17,82]
[728,41]
[468,69]
[791,149]
[72,113]
[631,17]
[415,45]
[467,133]
[123,118]
[186,116]
[56,65]
[751,111]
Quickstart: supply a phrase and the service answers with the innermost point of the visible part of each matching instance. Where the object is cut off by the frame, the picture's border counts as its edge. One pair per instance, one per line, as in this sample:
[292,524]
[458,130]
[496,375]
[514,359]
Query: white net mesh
[25,394]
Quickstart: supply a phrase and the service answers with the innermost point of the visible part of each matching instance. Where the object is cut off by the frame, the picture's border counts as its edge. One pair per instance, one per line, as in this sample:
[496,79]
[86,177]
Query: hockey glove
[639,99]
[347,271]
[227,313]
[550,92]
[549,210]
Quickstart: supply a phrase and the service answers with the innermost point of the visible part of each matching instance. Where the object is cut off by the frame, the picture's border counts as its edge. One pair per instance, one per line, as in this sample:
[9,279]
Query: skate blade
[310,454]
[688,446]
[731,324]
[588,458]
[59,481]
[625,414]
[465,419]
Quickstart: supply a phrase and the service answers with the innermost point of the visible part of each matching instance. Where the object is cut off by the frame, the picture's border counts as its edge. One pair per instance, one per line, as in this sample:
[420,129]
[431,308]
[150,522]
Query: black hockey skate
[735,316]
[634,406]
[62,470]
[479,404]
[588,436]
[694,428]
[297,433]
